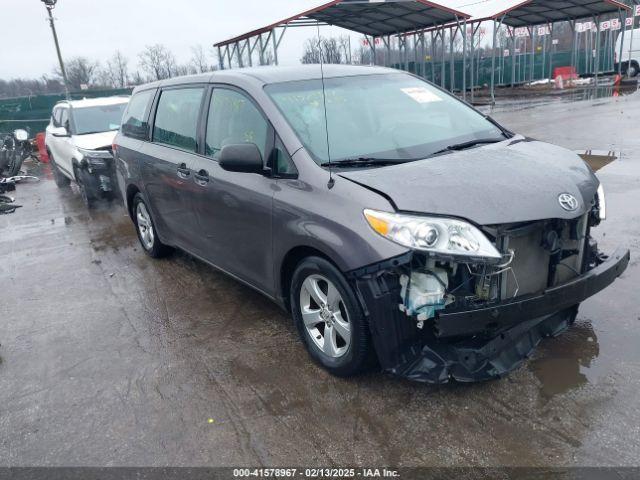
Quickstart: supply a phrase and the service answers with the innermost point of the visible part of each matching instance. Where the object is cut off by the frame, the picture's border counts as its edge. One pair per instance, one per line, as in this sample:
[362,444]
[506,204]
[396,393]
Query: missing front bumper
[473,345]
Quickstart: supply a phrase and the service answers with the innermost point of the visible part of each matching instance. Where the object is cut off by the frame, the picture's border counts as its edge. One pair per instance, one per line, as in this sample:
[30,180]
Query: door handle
[202,177]
[183,171]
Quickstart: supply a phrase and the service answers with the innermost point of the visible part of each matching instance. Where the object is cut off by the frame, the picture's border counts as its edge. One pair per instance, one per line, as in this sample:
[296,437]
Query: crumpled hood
[517,180]
[95,140]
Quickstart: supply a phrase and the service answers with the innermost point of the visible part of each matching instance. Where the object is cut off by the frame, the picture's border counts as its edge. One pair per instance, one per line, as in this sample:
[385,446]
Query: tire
[632,70]
[331,318]
[88,196]
[151,244]
[61,180]
[15,166]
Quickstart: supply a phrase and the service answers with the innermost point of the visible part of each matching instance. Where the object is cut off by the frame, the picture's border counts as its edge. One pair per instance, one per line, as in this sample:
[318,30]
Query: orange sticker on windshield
[421,95]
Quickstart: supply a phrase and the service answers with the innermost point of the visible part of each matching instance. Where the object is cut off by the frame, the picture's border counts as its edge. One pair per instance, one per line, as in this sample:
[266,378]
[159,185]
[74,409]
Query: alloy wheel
[325,316]
[145,227]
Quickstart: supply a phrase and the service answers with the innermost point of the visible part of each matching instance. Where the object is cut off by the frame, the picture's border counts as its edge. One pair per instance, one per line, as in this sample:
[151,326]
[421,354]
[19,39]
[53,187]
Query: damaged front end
[436,317]
[98,170]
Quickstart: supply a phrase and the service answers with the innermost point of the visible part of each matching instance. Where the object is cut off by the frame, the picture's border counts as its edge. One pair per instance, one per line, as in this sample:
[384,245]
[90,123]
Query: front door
[62,147]
[234,210]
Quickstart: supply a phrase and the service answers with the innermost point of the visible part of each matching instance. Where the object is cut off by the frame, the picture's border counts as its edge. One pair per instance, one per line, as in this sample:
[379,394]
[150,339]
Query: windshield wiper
[362,161]
[464,145]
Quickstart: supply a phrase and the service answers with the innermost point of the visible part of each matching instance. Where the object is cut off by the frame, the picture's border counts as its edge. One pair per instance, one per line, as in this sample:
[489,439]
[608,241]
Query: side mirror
[59,132]
[241,157]
[21,135]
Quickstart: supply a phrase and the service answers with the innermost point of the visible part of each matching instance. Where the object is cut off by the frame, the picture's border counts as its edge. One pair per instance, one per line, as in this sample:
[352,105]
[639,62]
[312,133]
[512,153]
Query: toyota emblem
[568,202]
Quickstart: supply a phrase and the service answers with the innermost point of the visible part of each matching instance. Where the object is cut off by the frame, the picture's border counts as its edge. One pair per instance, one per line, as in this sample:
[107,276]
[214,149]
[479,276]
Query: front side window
[102,118]
[234,119]
[134,122]
[176,122]
[392,117]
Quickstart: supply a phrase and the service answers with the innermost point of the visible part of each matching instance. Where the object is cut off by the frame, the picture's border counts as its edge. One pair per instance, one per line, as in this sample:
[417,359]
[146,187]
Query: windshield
[391,117]
[97,119]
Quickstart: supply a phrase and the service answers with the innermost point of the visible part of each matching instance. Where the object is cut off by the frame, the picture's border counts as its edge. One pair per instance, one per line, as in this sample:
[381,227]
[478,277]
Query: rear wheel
[60,179]
[329,318]
[632,70]
[146,229]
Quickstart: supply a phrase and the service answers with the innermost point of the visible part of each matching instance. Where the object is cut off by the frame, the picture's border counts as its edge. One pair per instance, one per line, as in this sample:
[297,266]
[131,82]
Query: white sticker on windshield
[421,94]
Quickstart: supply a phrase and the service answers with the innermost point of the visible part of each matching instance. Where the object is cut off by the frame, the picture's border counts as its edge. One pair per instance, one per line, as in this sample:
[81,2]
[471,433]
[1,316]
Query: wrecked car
[394,222]
[78,141]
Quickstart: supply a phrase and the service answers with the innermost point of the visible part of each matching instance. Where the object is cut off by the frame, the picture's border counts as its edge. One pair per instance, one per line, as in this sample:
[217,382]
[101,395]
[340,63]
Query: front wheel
[329,318]
[61,180]
[86,191]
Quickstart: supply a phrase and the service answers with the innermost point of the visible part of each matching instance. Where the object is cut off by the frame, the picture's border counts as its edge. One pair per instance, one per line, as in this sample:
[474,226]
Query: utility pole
[50,5]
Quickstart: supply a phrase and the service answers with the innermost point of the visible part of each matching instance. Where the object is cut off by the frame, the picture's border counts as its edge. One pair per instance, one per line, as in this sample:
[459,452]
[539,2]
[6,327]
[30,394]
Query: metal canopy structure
[539,12]
[384,23]
[378,19]
[372,18]
[518,14]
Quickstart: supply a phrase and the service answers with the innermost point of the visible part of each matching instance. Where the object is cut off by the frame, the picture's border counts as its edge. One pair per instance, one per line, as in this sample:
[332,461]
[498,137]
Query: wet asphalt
[111,358]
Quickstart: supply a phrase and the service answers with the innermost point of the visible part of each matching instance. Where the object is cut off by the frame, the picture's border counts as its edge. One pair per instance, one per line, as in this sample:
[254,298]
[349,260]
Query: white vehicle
[630,52]
[79,140]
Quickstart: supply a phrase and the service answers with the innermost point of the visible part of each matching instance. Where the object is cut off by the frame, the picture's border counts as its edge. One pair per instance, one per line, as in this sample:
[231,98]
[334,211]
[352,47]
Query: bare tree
[185,69]
[344,45]
[199,60]
[158,62]
[118,70]
[19,87]
[327,49]
[137,78]
[80,72]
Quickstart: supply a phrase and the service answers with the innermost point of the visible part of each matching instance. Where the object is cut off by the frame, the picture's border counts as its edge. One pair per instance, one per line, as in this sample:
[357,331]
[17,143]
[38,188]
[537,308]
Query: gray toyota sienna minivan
[397,224]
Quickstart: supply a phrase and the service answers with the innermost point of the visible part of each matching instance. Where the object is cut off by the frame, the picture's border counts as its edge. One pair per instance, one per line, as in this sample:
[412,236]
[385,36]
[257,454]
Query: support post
[623,26]
[424,57]
[220,59]
[597,61]
[473,58]
[464,60]
[52,24]
[452,73]
[443,67]
[533,54]
[261,52]
[633,24]
[275,46]
[415,53]
[493,63]
[513,57]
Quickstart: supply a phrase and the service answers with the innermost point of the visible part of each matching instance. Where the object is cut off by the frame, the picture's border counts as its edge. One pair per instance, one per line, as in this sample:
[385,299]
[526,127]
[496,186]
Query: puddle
[523,100]
[567,362]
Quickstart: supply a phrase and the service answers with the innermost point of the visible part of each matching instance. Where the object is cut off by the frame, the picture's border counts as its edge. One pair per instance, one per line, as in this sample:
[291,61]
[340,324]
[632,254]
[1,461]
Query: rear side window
[176,121]
[233,119]
[134,121]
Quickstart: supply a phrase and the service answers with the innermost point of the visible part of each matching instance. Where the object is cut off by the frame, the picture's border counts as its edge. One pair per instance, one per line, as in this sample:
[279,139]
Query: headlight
[95,158]
[602,203]
[446,236]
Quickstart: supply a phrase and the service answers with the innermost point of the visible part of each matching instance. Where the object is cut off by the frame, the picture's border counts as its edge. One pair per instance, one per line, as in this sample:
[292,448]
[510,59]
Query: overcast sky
[96,29]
